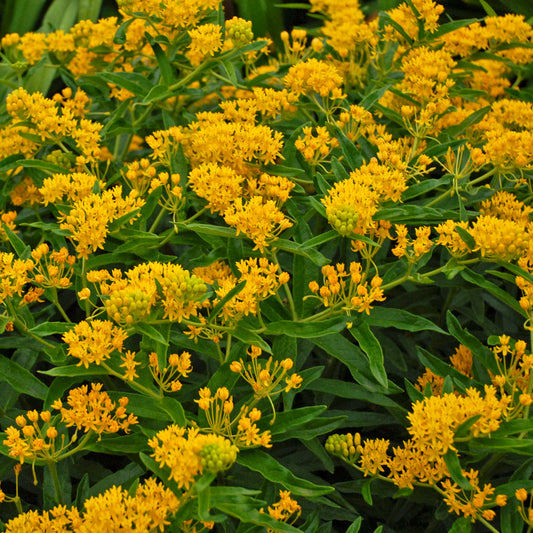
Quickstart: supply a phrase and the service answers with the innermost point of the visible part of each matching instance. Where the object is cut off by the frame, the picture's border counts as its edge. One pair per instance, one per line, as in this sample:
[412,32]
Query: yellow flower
[187,453]
[92,410]
[218,184]
[94,342]
[206,40]
[314,77]
[260,220]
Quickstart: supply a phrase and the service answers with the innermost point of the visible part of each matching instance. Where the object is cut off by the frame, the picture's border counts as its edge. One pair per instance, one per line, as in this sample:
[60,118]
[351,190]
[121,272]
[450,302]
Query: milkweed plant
[248,287]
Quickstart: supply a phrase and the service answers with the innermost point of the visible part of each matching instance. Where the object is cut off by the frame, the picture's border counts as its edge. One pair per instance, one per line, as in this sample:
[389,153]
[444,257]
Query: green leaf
[321,239]
[75,371]
[10,162]
[386,20]
[454,467]
[123,444]
[174,408]
[502,444]
[208,229]
[371,346]
[310,253]
[295,417]
[134,82]
[355,525]
[22,251]
[415,213]
[82,492]
[270,469]
[374,95]
[476,347]
[89,9]
[167,72]
[470,120]
[350,355]
[488,9]
[250,337]
[306,330]
[150,332]
[461,525]
[387,317]
[484,283]
[237,502]
[466,237]
[50,328]
[21,379]
[233,292]
[45,166]
[366,491]
[439,367]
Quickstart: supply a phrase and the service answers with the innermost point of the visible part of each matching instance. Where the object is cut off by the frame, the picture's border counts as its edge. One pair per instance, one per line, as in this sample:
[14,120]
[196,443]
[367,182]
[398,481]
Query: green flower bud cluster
[61,159]
[181,285]
[239,31]
[347,447]
[343,219]
[128,307]
[217,457]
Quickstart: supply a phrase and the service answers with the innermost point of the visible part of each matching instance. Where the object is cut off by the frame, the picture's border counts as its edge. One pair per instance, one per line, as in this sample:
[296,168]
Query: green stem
[79,447]
[228,348]
[288,293]
[21,326]
[483,177]
[157,220]
[57,486]
[84,285]
[132,384]
[59,306]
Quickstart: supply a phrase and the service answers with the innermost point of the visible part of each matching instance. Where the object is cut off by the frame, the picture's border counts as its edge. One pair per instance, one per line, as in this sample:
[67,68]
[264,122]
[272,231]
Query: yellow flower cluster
[490,36]
[348,290]
[241,429]
[522,496]
[187,453]
[472,504]
[434,421]
[92,410]
[265,378]
[508,135]
[346,29]
[352,203]
[514,374]
[286,509]
[88,219]
[314,77]
[26,193]
[14,274]
[412,249]
[32,441]
[150,508]
[130,297]
[315,148]
[428,16]
[51,121]
[68,187]
[501,232]
[206,40]
[52,269]
[94,341]
[262,280]
[168,378]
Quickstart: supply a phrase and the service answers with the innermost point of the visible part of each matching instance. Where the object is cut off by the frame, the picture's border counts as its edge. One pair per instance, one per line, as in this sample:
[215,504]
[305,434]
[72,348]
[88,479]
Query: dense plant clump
[255,288]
